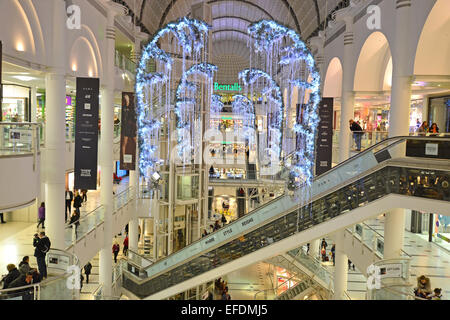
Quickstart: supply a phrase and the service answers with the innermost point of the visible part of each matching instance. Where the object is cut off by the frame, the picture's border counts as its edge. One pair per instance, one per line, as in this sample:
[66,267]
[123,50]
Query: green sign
[227,87]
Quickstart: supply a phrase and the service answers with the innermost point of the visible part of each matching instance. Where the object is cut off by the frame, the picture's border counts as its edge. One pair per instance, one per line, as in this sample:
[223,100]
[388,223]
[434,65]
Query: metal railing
[77,230]
[19,138]
[124,63]
[341,194]
[53,288]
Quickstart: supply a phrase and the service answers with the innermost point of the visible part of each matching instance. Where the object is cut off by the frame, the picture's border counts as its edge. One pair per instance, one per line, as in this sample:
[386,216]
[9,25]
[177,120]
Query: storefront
[16,106]
[439,112]
[375,117]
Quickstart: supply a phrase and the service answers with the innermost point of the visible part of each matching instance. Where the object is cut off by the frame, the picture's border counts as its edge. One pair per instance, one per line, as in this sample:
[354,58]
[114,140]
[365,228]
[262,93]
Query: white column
[341,267]
[347,96]
[399,117]
[33,104]
[314,247]
[55,83]
[106,149]
[394,231]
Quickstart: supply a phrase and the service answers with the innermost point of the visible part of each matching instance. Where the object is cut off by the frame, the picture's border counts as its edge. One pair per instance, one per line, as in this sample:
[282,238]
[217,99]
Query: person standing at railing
[42,246]
[434,128]
[13,274]
[423,129]
[41,215]
[75,219]
[22,281]
[357,133]
[77,202]
[84,195]
[69,199]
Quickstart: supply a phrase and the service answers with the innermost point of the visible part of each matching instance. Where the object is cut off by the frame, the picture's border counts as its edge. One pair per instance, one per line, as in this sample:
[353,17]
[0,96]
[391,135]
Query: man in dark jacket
[69,198]
[22,281]
[24,265]
[87,271]
[357,133]
[42,246]
[12,275]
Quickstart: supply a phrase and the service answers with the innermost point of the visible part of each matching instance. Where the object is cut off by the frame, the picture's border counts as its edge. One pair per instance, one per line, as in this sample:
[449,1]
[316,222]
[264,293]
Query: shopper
[434,128]
[115,250]
[205,233]
[357,133]
[77,202]
[423,287]
[125,245]
[12,275]
[75,220]
[436,295]
[84,193]
[323,252]
[1,217]
[423,129]
[324,244]
[224,220]
[225,294]
[333,252]
[216,225]
[42,246]
[24,265]
[87,271]
[41,215]
[69,199]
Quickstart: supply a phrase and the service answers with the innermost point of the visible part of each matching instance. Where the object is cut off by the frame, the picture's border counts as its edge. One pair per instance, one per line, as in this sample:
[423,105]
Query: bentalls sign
[227,87]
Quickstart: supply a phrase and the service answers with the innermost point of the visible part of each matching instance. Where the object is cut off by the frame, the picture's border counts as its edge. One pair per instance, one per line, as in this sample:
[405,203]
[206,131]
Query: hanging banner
[86,133]
[324,142]
[128,132]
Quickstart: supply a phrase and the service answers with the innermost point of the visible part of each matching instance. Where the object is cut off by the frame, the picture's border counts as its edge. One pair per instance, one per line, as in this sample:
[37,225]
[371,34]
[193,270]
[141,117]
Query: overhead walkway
[353,191]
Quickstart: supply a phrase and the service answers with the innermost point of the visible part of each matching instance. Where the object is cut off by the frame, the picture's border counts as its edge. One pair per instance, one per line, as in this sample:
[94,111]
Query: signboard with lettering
[86,133]
[324,143]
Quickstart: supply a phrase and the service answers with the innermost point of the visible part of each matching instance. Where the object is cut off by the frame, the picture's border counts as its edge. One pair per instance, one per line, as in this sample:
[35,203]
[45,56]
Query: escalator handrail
[394,140]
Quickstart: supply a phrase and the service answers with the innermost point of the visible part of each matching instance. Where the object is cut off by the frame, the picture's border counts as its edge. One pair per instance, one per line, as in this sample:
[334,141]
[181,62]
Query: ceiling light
[20,47]
[24,78]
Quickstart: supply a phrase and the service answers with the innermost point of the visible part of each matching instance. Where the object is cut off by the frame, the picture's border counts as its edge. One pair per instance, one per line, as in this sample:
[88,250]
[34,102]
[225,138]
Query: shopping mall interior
[225,149]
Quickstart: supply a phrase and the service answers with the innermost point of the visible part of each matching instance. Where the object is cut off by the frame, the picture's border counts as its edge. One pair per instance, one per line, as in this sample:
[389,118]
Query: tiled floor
[16,238]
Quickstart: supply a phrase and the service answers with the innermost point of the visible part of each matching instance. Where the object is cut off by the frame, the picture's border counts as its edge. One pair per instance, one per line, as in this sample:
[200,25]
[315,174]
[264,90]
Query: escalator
[353,191]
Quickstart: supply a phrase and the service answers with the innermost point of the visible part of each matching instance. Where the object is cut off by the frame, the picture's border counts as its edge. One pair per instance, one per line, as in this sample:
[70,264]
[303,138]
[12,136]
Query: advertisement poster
[128,133]
[86,133]
[324,142]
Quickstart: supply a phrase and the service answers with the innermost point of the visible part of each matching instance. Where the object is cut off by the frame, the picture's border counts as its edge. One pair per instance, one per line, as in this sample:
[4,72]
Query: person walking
[84,195]
[77,202]
[333,252]
[41,215]
[357,133]
[224,219]
[115,250]
[1,217]
[125,245]
[42,245]
[87,271]
[69,199]
[75,219]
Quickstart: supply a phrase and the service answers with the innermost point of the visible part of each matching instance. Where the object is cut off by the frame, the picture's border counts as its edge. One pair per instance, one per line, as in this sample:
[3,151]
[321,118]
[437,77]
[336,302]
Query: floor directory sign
[324,136]
[128,133]
[86,133]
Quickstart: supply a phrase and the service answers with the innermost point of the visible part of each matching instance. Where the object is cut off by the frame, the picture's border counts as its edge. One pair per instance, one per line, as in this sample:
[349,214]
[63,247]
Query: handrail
[390,142]
[380,235]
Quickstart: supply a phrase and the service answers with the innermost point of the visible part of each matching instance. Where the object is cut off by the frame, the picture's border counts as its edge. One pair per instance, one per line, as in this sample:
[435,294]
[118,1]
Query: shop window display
[439,113]
[16,103]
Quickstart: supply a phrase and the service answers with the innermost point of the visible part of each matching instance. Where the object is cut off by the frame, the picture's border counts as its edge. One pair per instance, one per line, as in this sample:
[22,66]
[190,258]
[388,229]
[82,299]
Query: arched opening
[332,87]
[432,66]
[372,86]
[82,58]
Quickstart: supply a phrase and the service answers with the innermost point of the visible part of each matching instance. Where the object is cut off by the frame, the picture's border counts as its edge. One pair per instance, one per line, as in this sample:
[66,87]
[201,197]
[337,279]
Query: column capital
[402,4]
[115,8]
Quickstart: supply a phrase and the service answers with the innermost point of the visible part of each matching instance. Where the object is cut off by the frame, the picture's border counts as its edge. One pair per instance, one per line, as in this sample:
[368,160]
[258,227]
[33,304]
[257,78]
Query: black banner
[86,133]
[128,132]
[324,144]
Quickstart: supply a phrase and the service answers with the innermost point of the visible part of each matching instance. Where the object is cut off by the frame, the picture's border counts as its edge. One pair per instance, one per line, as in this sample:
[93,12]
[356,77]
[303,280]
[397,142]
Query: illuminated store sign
[227,87]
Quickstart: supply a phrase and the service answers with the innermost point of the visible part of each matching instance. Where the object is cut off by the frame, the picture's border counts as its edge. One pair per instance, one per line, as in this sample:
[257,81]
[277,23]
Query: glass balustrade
[19,138]
[93,219]
[388,180]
